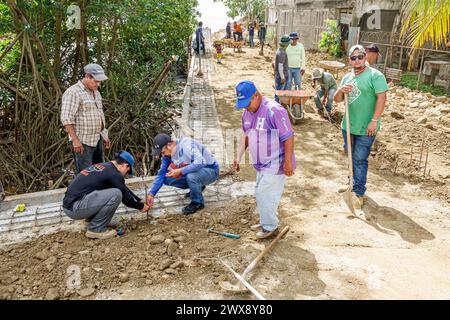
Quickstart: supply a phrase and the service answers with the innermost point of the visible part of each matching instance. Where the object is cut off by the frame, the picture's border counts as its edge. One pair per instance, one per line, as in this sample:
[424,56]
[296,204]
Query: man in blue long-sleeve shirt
[185,164]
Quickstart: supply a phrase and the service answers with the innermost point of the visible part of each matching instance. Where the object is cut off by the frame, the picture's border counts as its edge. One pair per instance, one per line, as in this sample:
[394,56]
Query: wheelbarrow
[293,101]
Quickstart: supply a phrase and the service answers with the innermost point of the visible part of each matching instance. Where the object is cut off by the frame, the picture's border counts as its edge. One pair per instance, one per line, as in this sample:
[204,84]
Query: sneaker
[263,234]
[256,227]
[188,195]
[193,207]
[101,235]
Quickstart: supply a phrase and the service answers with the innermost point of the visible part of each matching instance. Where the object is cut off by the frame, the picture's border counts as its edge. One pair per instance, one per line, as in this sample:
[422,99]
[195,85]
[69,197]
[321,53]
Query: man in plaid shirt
[83,118]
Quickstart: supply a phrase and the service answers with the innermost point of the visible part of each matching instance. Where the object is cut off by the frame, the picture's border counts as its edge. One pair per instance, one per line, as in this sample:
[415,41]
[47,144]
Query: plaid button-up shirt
[83,109]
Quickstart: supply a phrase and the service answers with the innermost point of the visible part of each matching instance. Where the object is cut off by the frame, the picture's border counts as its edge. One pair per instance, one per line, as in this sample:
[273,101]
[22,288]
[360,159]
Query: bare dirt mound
[150,253]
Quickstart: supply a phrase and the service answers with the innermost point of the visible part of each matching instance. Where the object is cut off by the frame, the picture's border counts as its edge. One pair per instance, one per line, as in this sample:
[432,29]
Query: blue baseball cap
[293,35]
[244,92]
[125,155]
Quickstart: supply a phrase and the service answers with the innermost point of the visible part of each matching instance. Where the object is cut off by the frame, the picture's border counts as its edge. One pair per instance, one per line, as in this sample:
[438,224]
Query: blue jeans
[361,146]
[194,181]
[98,206]
[294,74]
[279,86]
[318,99]
[268,191]
[90,156]
[251,42]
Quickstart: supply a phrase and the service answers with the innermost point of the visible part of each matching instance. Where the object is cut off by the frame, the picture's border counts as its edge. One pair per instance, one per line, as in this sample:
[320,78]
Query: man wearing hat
[296,61]
[185,164]
[328,87]
[281,66]
[97,191]
[373,53]
[367,90]
[82,117]
[268,134]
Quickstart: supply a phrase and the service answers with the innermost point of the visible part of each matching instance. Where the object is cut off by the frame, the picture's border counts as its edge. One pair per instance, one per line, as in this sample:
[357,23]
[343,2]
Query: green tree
[131,39]
[331,39]
[252,9]
[425,21]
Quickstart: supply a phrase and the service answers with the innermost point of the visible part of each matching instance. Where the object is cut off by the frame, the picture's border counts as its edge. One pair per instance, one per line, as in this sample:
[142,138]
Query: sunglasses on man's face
[359,57]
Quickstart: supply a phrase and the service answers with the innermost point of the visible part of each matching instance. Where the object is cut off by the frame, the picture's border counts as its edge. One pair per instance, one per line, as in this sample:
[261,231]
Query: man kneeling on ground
[186,163]
[96,192]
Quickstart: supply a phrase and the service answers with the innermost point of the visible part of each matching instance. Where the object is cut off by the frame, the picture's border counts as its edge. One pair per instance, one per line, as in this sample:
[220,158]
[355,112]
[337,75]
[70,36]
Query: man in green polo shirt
[327,90]
[367,89]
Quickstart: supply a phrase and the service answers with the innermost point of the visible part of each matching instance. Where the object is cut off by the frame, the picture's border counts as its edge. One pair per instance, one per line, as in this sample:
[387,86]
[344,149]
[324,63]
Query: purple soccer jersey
[267,130]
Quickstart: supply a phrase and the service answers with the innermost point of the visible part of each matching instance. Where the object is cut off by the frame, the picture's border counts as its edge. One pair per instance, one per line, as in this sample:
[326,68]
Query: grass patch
[409,80]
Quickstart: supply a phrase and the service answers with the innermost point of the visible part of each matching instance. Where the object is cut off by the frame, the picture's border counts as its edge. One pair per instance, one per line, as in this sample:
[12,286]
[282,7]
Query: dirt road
[401,252]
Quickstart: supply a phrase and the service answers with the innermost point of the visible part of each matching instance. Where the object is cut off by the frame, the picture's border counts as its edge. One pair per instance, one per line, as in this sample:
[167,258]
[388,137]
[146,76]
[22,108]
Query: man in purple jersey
[268,133]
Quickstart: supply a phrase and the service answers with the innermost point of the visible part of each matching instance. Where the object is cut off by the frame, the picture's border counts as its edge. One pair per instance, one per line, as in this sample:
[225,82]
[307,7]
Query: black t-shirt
[99,177]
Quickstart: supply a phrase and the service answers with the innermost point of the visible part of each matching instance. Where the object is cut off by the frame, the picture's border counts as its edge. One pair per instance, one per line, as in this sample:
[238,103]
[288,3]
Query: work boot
[193,207]
[357,201]
[188,195]
[256,227]
[101,235]
[85,224]
[263,234]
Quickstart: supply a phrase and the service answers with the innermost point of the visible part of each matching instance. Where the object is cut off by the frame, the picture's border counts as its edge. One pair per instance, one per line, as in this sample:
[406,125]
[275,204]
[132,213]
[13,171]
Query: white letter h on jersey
[260,124]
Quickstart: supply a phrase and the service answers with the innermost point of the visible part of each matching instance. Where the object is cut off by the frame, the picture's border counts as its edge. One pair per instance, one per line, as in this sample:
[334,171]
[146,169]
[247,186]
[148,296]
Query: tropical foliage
[42,52]
[426,21]
[330,41]
[252,9]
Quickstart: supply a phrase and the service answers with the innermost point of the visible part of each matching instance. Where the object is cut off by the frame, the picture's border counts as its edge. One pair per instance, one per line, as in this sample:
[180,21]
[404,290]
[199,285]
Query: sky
[213,14]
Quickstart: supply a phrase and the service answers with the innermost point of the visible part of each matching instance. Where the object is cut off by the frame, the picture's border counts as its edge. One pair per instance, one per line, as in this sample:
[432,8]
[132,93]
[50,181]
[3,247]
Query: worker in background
[373,54]
[325,94]
[237,34]
[281,66]
[297,61]
[218,45]
[228,31]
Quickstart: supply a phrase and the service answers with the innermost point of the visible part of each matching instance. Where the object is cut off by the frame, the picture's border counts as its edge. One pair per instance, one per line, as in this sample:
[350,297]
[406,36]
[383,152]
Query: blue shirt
[190,155]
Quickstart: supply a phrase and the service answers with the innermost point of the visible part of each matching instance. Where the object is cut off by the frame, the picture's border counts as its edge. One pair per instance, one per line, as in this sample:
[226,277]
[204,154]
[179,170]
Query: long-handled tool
[243,281]
[347,194]
[225,234]
[226,285]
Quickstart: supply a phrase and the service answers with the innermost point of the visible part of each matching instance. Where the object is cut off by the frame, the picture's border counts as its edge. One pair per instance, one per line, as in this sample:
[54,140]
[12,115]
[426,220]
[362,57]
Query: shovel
[347,194]
[226,285]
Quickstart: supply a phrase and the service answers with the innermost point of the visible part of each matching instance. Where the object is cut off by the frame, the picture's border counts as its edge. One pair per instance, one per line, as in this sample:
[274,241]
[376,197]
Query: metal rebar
[421,151]
[426,160]
[410,158]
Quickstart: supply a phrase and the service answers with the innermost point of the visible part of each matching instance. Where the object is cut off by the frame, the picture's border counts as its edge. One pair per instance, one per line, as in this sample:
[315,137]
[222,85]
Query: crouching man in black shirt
[97,191]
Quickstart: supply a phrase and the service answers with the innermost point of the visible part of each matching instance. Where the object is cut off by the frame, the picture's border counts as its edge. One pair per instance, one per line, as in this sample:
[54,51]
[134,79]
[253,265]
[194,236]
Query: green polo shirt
[327,82]
[363,98]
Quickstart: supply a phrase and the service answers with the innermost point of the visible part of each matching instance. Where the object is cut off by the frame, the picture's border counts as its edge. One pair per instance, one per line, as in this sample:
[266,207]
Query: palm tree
[425,21]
